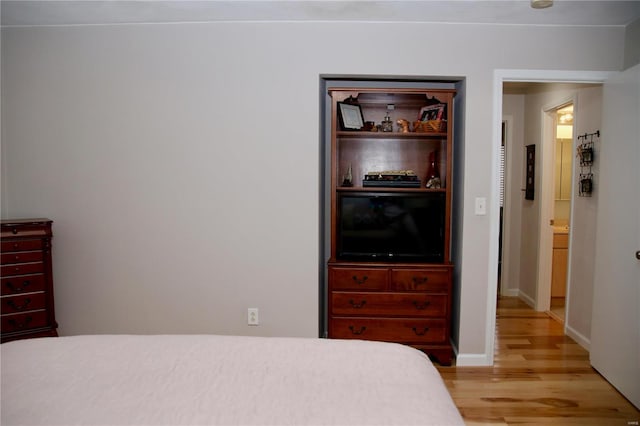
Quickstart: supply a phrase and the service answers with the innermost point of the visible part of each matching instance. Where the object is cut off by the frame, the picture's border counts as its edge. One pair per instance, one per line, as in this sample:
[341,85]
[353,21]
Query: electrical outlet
[252,316]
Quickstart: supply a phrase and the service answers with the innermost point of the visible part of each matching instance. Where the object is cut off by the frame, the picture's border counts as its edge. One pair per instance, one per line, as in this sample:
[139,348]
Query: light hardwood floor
[539,377]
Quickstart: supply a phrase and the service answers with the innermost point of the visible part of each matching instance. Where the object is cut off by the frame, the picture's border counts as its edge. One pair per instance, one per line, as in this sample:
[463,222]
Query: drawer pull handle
[419,280]
[420,332]
[14,289]
[17,325]
[421,306]
[14,231]
[357,332]
[360,280]
[15,307]
[357,305]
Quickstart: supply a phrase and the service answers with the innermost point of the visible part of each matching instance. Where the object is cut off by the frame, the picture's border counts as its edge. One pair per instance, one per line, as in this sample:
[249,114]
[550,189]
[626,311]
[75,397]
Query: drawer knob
[420,332]
[419,280]
[15,307]
[357,332]
[357,305]
[360,280]
[20,325]
[421,306]
[14,231]
[13,288]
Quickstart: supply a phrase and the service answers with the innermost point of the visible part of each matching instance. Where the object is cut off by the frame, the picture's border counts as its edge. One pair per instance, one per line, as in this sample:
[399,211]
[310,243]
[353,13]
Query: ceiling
[507,12]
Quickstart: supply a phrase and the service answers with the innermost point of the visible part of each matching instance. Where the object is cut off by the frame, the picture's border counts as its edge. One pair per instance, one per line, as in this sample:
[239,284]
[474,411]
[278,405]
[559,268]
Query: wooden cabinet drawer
[22,284]
[21,257]
[388,304]
[23,321]
[427,280]
[22,303]
[21,245]
[26,228]
[561,241]
[401,330]
[358,279]
[21,269]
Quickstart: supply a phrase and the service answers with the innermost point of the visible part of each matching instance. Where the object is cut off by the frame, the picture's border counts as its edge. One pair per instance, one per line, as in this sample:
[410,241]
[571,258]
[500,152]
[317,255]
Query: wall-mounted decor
[585,154]
[531,172]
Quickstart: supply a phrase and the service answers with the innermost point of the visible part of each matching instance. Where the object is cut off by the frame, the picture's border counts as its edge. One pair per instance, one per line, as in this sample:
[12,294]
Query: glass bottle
[387,124]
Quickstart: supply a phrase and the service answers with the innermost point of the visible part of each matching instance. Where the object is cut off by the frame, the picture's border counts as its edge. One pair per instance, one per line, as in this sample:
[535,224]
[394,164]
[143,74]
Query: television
[391,227]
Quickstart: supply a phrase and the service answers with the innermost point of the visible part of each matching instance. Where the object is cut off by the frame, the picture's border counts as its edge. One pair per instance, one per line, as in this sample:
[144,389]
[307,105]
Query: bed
[219,380]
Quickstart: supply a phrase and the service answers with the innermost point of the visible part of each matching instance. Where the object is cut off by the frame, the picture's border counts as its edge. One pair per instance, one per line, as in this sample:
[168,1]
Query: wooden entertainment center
[383,195]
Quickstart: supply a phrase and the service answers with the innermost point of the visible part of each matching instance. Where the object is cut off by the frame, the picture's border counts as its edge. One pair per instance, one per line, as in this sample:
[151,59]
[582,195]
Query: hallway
[540,376]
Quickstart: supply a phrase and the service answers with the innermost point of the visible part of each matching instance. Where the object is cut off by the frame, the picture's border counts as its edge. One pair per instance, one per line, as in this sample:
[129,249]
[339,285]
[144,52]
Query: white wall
[180,162]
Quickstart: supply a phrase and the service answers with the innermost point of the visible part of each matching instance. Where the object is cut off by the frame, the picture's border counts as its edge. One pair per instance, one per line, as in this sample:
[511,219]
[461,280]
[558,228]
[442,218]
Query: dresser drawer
[388,304]
[428,280]
[561,241]
[21,245]
[358,279]
[23,321]
[21,257]
[22,303]
[21,269]
[22,284]
[26,228]
[401,330]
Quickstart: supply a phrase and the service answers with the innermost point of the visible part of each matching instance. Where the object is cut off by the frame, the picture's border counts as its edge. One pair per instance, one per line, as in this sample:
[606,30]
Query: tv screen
[391,227]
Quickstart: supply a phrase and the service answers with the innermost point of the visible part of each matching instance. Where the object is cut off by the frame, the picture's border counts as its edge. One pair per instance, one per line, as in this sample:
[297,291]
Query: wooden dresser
[27,308]
[400,303]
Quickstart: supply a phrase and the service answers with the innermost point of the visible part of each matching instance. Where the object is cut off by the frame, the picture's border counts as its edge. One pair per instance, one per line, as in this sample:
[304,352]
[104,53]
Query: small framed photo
[432,112]
[350,116]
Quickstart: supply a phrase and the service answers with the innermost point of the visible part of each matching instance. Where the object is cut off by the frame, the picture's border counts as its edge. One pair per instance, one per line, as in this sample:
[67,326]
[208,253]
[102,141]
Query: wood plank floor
[539,377]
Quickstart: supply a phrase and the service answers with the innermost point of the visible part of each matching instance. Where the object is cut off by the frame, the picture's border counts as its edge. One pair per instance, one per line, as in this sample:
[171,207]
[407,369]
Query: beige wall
[180,162]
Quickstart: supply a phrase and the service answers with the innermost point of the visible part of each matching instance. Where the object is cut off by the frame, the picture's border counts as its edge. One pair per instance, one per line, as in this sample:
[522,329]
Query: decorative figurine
[433,175]
[347,180]
[403,125]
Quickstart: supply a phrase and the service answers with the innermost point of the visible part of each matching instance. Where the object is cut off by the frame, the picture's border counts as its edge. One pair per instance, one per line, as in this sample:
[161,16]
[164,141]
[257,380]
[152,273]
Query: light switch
[481,206]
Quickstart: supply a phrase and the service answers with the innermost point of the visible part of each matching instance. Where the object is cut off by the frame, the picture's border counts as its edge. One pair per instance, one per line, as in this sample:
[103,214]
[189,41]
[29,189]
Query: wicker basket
[431,126]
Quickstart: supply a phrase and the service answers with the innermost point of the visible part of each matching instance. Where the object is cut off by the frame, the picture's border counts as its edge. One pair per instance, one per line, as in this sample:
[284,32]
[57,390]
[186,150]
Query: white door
[615,332]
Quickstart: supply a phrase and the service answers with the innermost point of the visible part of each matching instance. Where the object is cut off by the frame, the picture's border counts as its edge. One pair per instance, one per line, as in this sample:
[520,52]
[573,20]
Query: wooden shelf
[387,189]
[344,134]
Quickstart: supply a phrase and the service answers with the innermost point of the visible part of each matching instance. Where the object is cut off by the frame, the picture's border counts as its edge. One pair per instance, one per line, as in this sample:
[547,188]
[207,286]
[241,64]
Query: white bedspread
[219,380]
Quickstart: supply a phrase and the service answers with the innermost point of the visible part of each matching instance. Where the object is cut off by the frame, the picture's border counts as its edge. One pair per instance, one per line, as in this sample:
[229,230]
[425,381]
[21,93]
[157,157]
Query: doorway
[527,223]
[562,196]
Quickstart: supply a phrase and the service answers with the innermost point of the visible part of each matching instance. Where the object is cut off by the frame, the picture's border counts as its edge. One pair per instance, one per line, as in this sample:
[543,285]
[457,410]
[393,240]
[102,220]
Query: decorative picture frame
[432,112]
[350,116]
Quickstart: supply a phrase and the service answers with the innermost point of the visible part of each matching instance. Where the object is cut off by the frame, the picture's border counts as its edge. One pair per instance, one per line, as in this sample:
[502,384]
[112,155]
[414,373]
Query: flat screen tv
[391,227]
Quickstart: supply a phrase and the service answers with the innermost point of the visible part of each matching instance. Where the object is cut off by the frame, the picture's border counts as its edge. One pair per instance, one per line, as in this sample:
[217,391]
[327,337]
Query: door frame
[545,239]
[499,77]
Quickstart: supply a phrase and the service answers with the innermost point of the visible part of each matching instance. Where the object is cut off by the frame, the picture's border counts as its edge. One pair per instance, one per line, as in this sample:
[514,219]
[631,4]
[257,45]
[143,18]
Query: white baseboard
[473,360]
[579,338]
[526,299]
[510,292]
